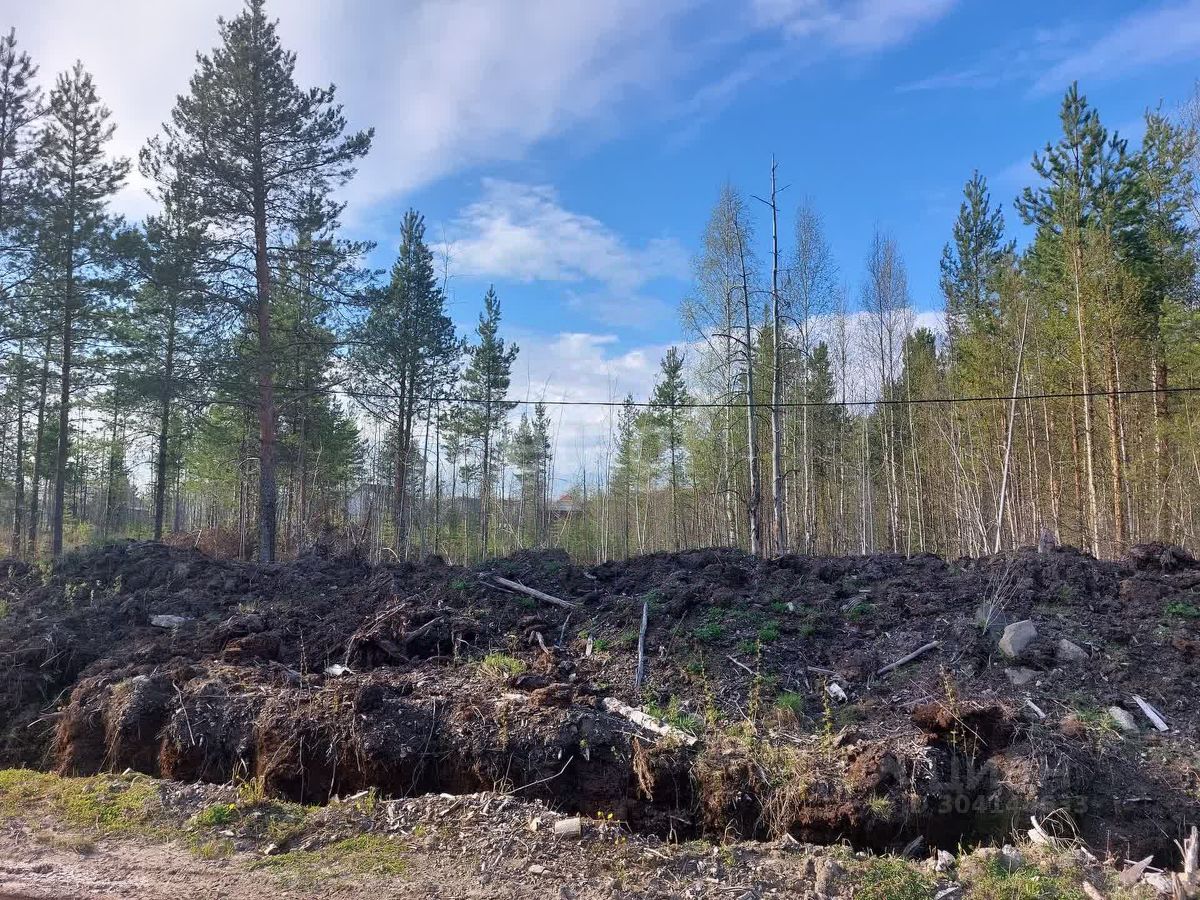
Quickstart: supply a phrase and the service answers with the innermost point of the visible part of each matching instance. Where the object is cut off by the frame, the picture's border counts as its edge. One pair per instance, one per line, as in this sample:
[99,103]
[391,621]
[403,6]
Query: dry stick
[738,662]
[905,659]
[533,592]
[183,709]
[542,643]
[641,664]
[1152,714]
[570,760]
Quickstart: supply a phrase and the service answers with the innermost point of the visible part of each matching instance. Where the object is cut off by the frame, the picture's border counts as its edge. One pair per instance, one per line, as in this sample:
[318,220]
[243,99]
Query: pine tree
[405,352]
[20,105]
[163,333]
[668,402]
[75,180]
[1083,209]
[261,157]
[485,408]
[625,471]
[971,263]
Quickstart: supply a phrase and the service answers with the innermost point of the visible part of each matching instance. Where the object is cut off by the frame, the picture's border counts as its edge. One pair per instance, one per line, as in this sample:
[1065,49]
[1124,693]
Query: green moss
[1177,609]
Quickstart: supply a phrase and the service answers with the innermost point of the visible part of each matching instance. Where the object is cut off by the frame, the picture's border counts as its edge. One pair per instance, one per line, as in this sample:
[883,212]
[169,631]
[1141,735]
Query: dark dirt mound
[325,676]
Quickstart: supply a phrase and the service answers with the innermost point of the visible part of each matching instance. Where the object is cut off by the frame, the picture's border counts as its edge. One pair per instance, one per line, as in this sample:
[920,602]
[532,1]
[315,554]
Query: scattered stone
[1020,675]
[944,861]
[337,670]
[1069,652]
[1017,637]
[572,827]
[1011,857]
[536,869]
[166,621]
[830,876]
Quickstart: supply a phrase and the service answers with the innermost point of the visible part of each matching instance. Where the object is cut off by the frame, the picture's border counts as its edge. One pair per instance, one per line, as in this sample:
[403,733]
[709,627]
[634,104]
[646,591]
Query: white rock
[1017,637]
[168,621]
[571,827]
[1020,676]
[337,669]
[535,869]
[1069,652]
[1123,718]
[944,861]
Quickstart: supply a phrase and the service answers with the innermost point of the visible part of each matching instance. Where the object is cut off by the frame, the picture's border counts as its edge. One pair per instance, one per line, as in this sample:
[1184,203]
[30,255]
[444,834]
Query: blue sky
[570,150]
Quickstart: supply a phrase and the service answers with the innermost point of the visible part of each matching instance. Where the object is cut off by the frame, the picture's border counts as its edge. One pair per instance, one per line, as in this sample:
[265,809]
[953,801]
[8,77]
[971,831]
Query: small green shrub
[1177,609]
[860,611]
[769,631]
[709,632]
[501,665]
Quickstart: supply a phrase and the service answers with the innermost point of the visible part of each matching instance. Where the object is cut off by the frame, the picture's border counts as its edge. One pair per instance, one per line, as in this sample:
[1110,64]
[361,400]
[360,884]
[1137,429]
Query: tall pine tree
[261,156]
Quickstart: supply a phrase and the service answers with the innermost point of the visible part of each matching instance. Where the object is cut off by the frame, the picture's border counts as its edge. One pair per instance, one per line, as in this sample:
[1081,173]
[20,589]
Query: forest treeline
[230,372]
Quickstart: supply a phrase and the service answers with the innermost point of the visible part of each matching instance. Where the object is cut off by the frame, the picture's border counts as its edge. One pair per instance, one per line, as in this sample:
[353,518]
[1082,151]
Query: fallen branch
[907,659]
[637,717]
[1152,714]
[533,592]
[542,643]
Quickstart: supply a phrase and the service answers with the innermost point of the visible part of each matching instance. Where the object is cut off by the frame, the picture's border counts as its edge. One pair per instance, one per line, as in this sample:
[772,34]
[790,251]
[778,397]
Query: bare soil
[447,683]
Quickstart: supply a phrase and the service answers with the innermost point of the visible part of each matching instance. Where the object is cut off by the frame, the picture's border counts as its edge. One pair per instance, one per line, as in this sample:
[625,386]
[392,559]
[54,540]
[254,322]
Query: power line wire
[298,392]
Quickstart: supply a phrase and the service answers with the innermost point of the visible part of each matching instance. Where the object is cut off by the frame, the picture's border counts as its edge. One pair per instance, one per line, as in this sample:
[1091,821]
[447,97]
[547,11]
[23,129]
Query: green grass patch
[790,702]
[501,665]
[1176,608]
[992,880]
[674,714]
[889,878]
[110,804]
[217,815]
[709,632]
[363,854]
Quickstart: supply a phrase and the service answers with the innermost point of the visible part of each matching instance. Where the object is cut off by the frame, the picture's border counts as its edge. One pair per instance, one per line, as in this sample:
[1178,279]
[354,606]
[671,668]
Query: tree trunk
[19,454]
[39,447]
[778,481]
[58,508]
[1086,388]
[164,427]
[267,491]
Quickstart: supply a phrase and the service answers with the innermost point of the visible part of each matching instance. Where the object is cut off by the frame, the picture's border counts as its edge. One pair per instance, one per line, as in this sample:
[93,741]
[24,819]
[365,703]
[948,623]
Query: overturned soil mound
[325,676]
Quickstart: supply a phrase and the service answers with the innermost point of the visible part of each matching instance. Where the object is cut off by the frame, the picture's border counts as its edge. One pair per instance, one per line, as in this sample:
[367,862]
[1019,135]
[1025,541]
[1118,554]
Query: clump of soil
[326,676]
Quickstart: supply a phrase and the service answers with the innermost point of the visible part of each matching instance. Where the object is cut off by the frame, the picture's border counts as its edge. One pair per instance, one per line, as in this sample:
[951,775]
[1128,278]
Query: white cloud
[586,366]
[523,232]
[448,84]
[1150,36]
[855,25]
